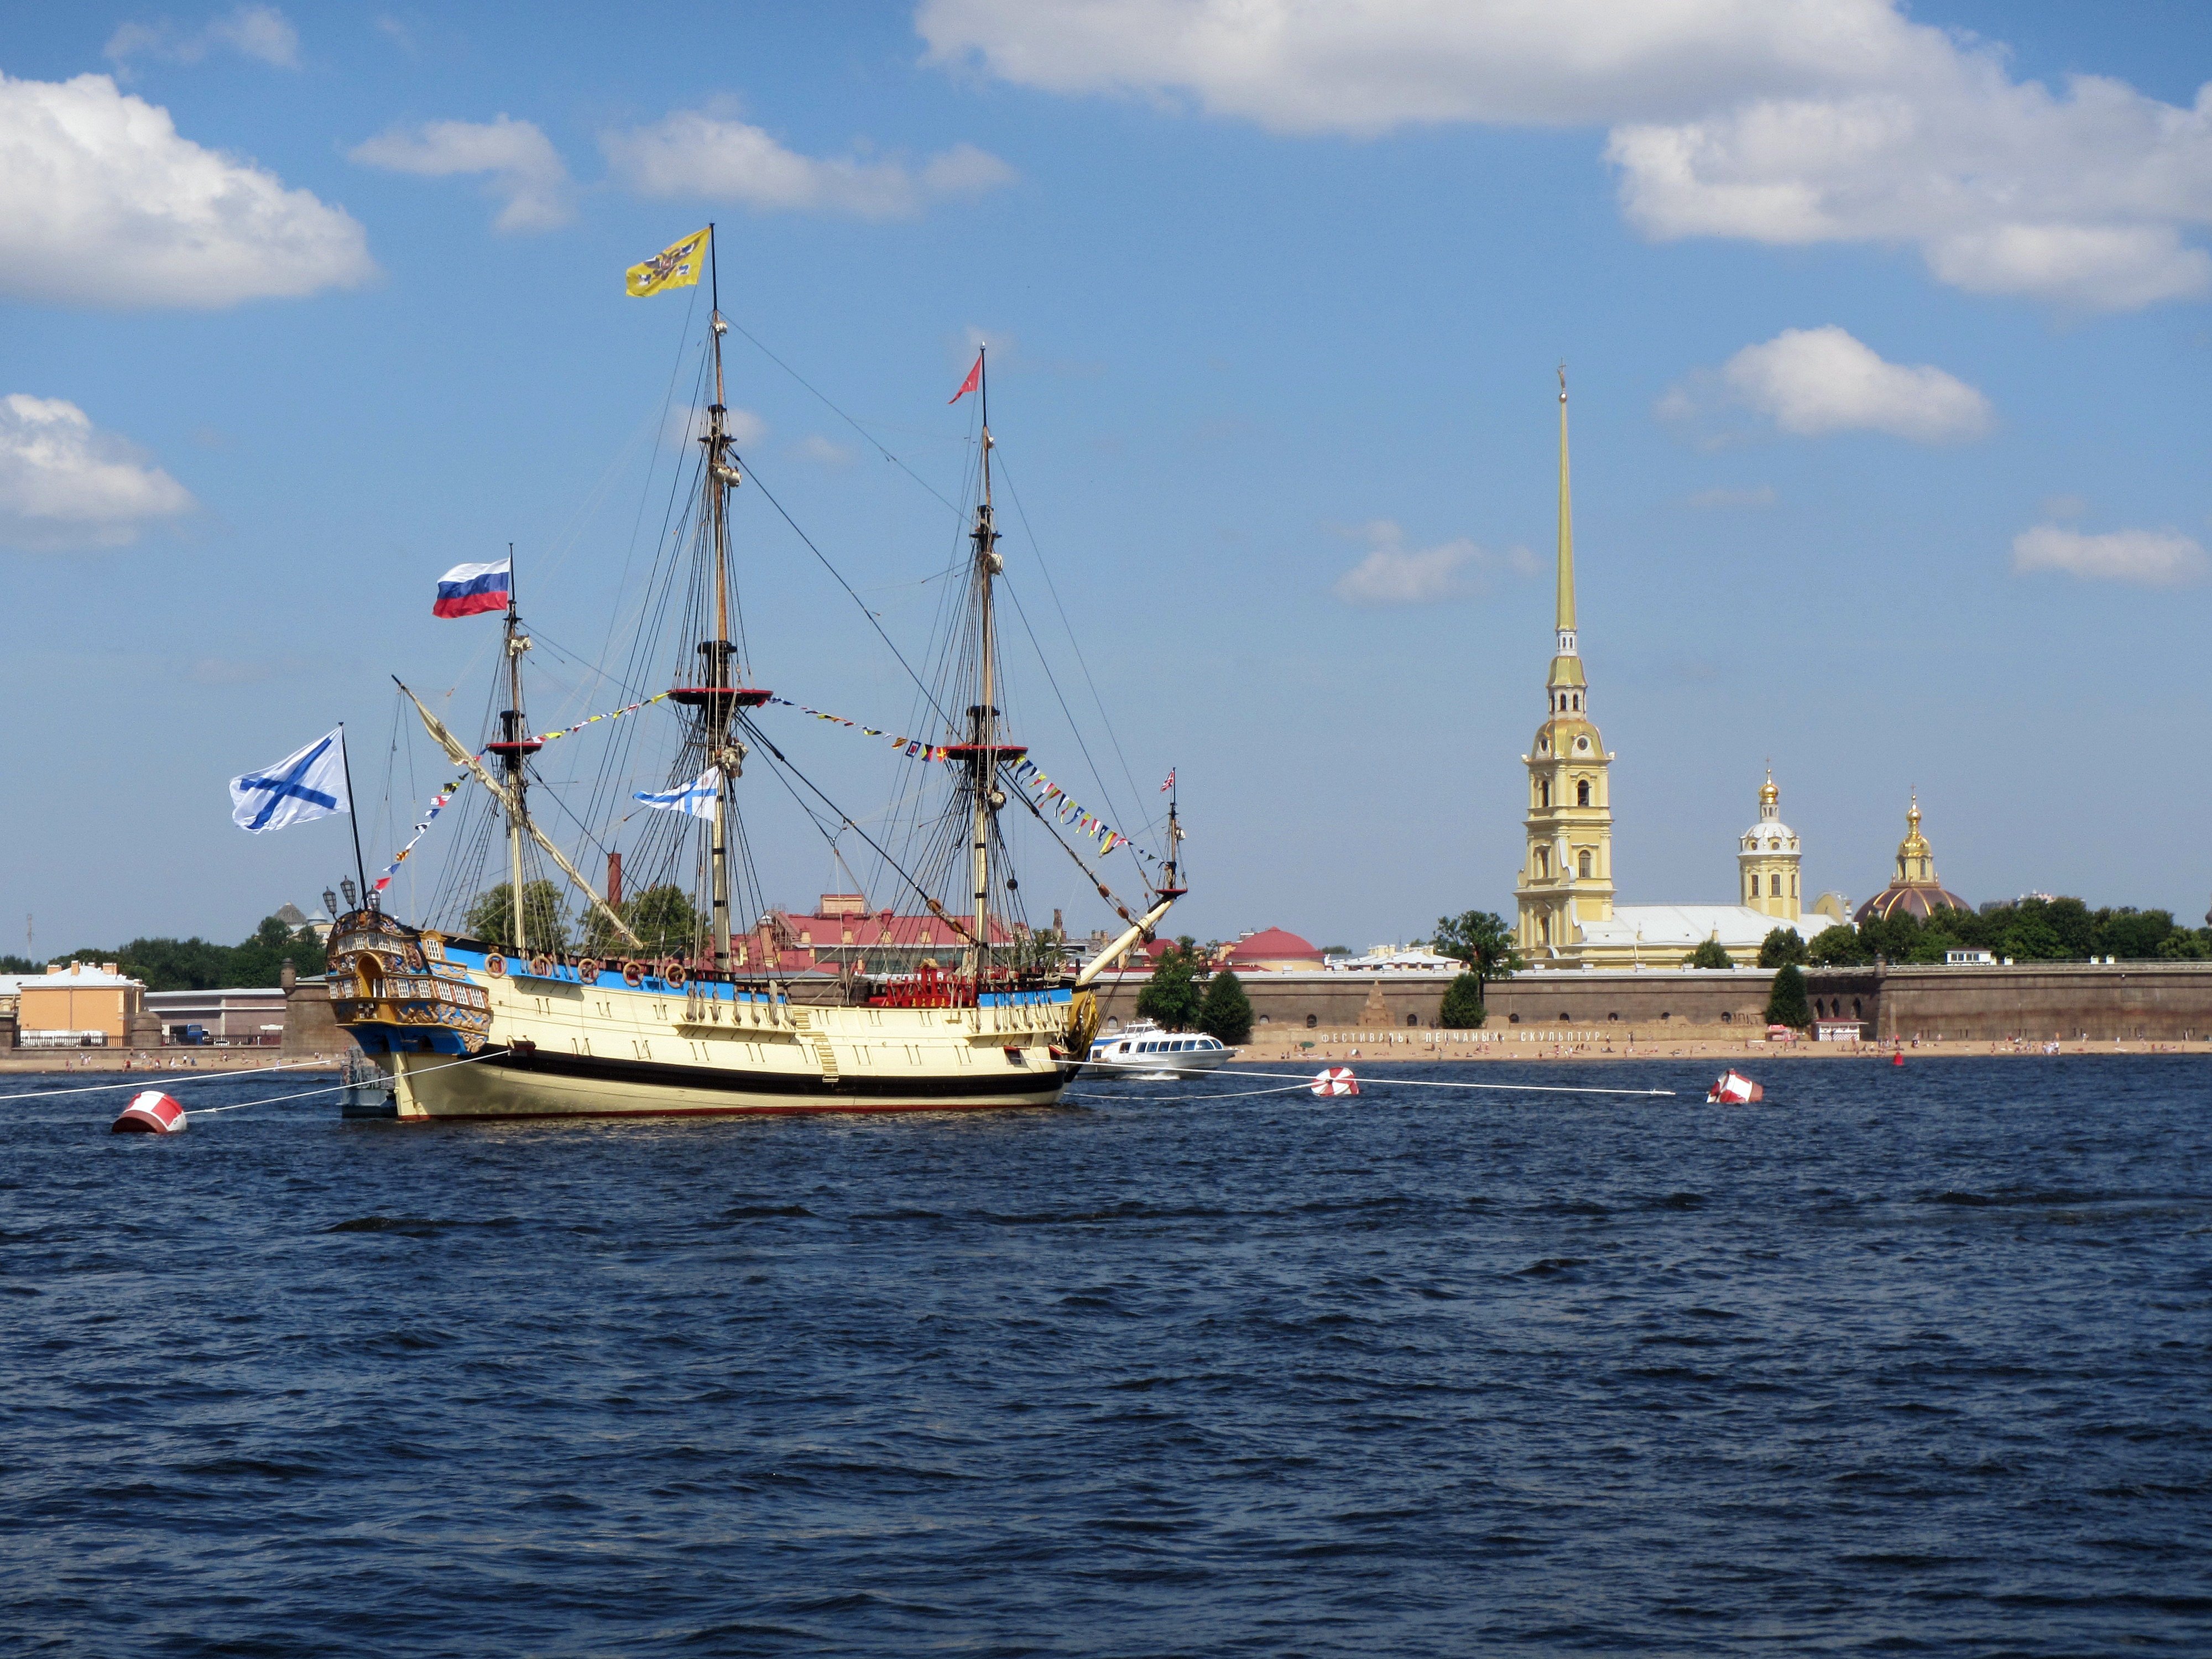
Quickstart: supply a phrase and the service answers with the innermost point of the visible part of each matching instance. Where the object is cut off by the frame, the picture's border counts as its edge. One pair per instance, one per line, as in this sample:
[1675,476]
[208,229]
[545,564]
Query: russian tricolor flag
[467,589]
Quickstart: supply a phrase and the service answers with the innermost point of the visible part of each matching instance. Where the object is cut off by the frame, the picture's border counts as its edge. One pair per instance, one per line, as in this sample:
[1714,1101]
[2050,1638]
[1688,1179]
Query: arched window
[1543,792]
[1543,869]
[1582,792]
[1312,1020]
[1755,884]
[1583,864]
[1774,886]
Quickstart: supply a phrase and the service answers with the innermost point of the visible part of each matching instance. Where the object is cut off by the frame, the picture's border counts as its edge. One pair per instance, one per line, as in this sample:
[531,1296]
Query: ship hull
[503,1083]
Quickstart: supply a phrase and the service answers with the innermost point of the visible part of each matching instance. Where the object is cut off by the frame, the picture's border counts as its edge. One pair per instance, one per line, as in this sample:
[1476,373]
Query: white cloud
[1777,121]
[1371,66]
[525,172]
[2152,558]
[65,484]
[696,152]
[101,203]
[261,32]
[816,447]
[1758,495]
[1394,573]
[1811,381]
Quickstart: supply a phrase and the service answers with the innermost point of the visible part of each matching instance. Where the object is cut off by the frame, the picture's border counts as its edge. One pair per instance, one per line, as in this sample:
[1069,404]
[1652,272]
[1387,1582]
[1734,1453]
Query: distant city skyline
[1887,331]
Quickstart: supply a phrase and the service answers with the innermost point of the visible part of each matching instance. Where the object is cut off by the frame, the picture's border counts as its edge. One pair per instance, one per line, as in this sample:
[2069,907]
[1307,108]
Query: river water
[1909,1359]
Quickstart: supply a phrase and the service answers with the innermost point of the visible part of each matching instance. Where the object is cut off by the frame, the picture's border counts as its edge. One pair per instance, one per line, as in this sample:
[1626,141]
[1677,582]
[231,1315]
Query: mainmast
[514,749]
[719,695]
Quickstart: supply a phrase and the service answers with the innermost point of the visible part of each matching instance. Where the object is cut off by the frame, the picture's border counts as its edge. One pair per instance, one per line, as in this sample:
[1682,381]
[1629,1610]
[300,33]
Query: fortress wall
[2130,1001]
[1332,1001]
[2148,1001]
[309,1026]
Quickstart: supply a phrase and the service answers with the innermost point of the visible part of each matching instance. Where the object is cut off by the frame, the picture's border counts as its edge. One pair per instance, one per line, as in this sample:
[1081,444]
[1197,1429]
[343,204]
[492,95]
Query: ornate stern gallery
[1565,889]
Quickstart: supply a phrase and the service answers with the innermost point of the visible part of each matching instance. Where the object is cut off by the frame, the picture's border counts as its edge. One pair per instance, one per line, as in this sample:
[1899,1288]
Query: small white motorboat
[1143,1046]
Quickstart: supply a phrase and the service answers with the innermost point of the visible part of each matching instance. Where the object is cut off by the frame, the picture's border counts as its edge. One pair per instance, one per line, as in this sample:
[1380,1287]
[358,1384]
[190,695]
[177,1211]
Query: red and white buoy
[152,1113]
[1734,1088]
[1336,1080]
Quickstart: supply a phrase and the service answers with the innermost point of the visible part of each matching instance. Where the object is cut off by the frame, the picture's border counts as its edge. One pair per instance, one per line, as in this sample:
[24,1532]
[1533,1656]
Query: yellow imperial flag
[675,266]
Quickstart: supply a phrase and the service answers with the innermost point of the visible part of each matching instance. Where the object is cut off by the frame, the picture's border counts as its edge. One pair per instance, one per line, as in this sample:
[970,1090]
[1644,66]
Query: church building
[1565,889]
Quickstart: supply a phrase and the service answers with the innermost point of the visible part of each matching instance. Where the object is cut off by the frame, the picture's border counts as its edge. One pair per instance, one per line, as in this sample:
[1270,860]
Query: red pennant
[975,378]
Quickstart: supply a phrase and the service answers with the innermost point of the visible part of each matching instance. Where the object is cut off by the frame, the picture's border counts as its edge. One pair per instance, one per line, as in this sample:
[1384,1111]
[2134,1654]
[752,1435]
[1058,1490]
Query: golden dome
[1915,889]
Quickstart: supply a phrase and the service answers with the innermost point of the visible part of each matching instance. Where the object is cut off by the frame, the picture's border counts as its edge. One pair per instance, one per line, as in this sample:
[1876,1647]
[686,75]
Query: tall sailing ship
[665,1006]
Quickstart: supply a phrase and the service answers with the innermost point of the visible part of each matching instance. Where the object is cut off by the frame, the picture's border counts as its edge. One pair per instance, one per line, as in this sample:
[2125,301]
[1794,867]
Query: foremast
[513,747]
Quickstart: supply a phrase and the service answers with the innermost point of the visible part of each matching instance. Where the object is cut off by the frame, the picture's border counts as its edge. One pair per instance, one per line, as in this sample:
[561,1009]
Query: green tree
[491,918]
[1711,954]
[1482,939]
[1037,950]
[1224,1012]
[663,917]
[1463,1009]
[194,964]
[1782,946]
[1837,946]
[1785,1003]
[2132,935]
[1171,996]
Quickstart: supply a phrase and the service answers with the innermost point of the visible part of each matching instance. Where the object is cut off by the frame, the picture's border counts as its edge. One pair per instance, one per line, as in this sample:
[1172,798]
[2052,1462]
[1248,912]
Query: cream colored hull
[558,1049]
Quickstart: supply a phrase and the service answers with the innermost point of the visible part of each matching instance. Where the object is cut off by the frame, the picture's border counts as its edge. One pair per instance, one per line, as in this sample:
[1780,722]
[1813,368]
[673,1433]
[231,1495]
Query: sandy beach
[162,1060]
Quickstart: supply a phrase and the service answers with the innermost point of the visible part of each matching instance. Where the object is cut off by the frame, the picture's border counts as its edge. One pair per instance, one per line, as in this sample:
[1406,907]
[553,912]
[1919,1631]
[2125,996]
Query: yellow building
[82,1005]
[1566,881]
[1564,892]
[1768,854]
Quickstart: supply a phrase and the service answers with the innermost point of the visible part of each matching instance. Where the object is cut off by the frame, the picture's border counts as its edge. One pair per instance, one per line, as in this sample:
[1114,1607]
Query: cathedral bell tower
[1567,880]
[1767,854]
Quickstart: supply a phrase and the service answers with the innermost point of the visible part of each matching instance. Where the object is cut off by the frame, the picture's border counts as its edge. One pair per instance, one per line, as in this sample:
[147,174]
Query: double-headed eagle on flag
[675,266]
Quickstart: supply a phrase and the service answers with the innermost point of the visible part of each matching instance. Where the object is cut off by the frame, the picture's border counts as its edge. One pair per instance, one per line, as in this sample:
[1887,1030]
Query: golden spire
[1567,682]
[1566,617]
[1768,794]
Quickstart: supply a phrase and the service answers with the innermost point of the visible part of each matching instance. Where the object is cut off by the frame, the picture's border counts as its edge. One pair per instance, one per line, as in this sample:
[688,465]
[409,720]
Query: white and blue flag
[700,798]
[310,784]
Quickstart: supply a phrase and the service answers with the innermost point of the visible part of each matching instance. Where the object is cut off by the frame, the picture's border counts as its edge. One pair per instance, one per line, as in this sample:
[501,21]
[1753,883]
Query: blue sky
[1888,341]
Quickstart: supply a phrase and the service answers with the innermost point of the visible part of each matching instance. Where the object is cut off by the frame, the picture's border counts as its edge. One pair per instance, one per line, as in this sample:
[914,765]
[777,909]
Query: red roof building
[1273,950]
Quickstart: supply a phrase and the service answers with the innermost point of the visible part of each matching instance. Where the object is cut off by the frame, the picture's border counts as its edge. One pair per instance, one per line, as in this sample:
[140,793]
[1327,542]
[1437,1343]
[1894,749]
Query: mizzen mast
[981,754]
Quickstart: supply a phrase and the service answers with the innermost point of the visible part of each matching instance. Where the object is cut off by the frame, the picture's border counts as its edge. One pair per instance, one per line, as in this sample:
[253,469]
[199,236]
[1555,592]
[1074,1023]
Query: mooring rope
[336,1088]
[140,1082]
[1439,1083]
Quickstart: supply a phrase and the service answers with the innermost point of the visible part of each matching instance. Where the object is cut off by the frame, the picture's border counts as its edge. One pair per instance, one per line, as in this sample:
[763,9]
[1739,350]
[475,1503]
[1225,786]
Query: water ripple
[1898,1362]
